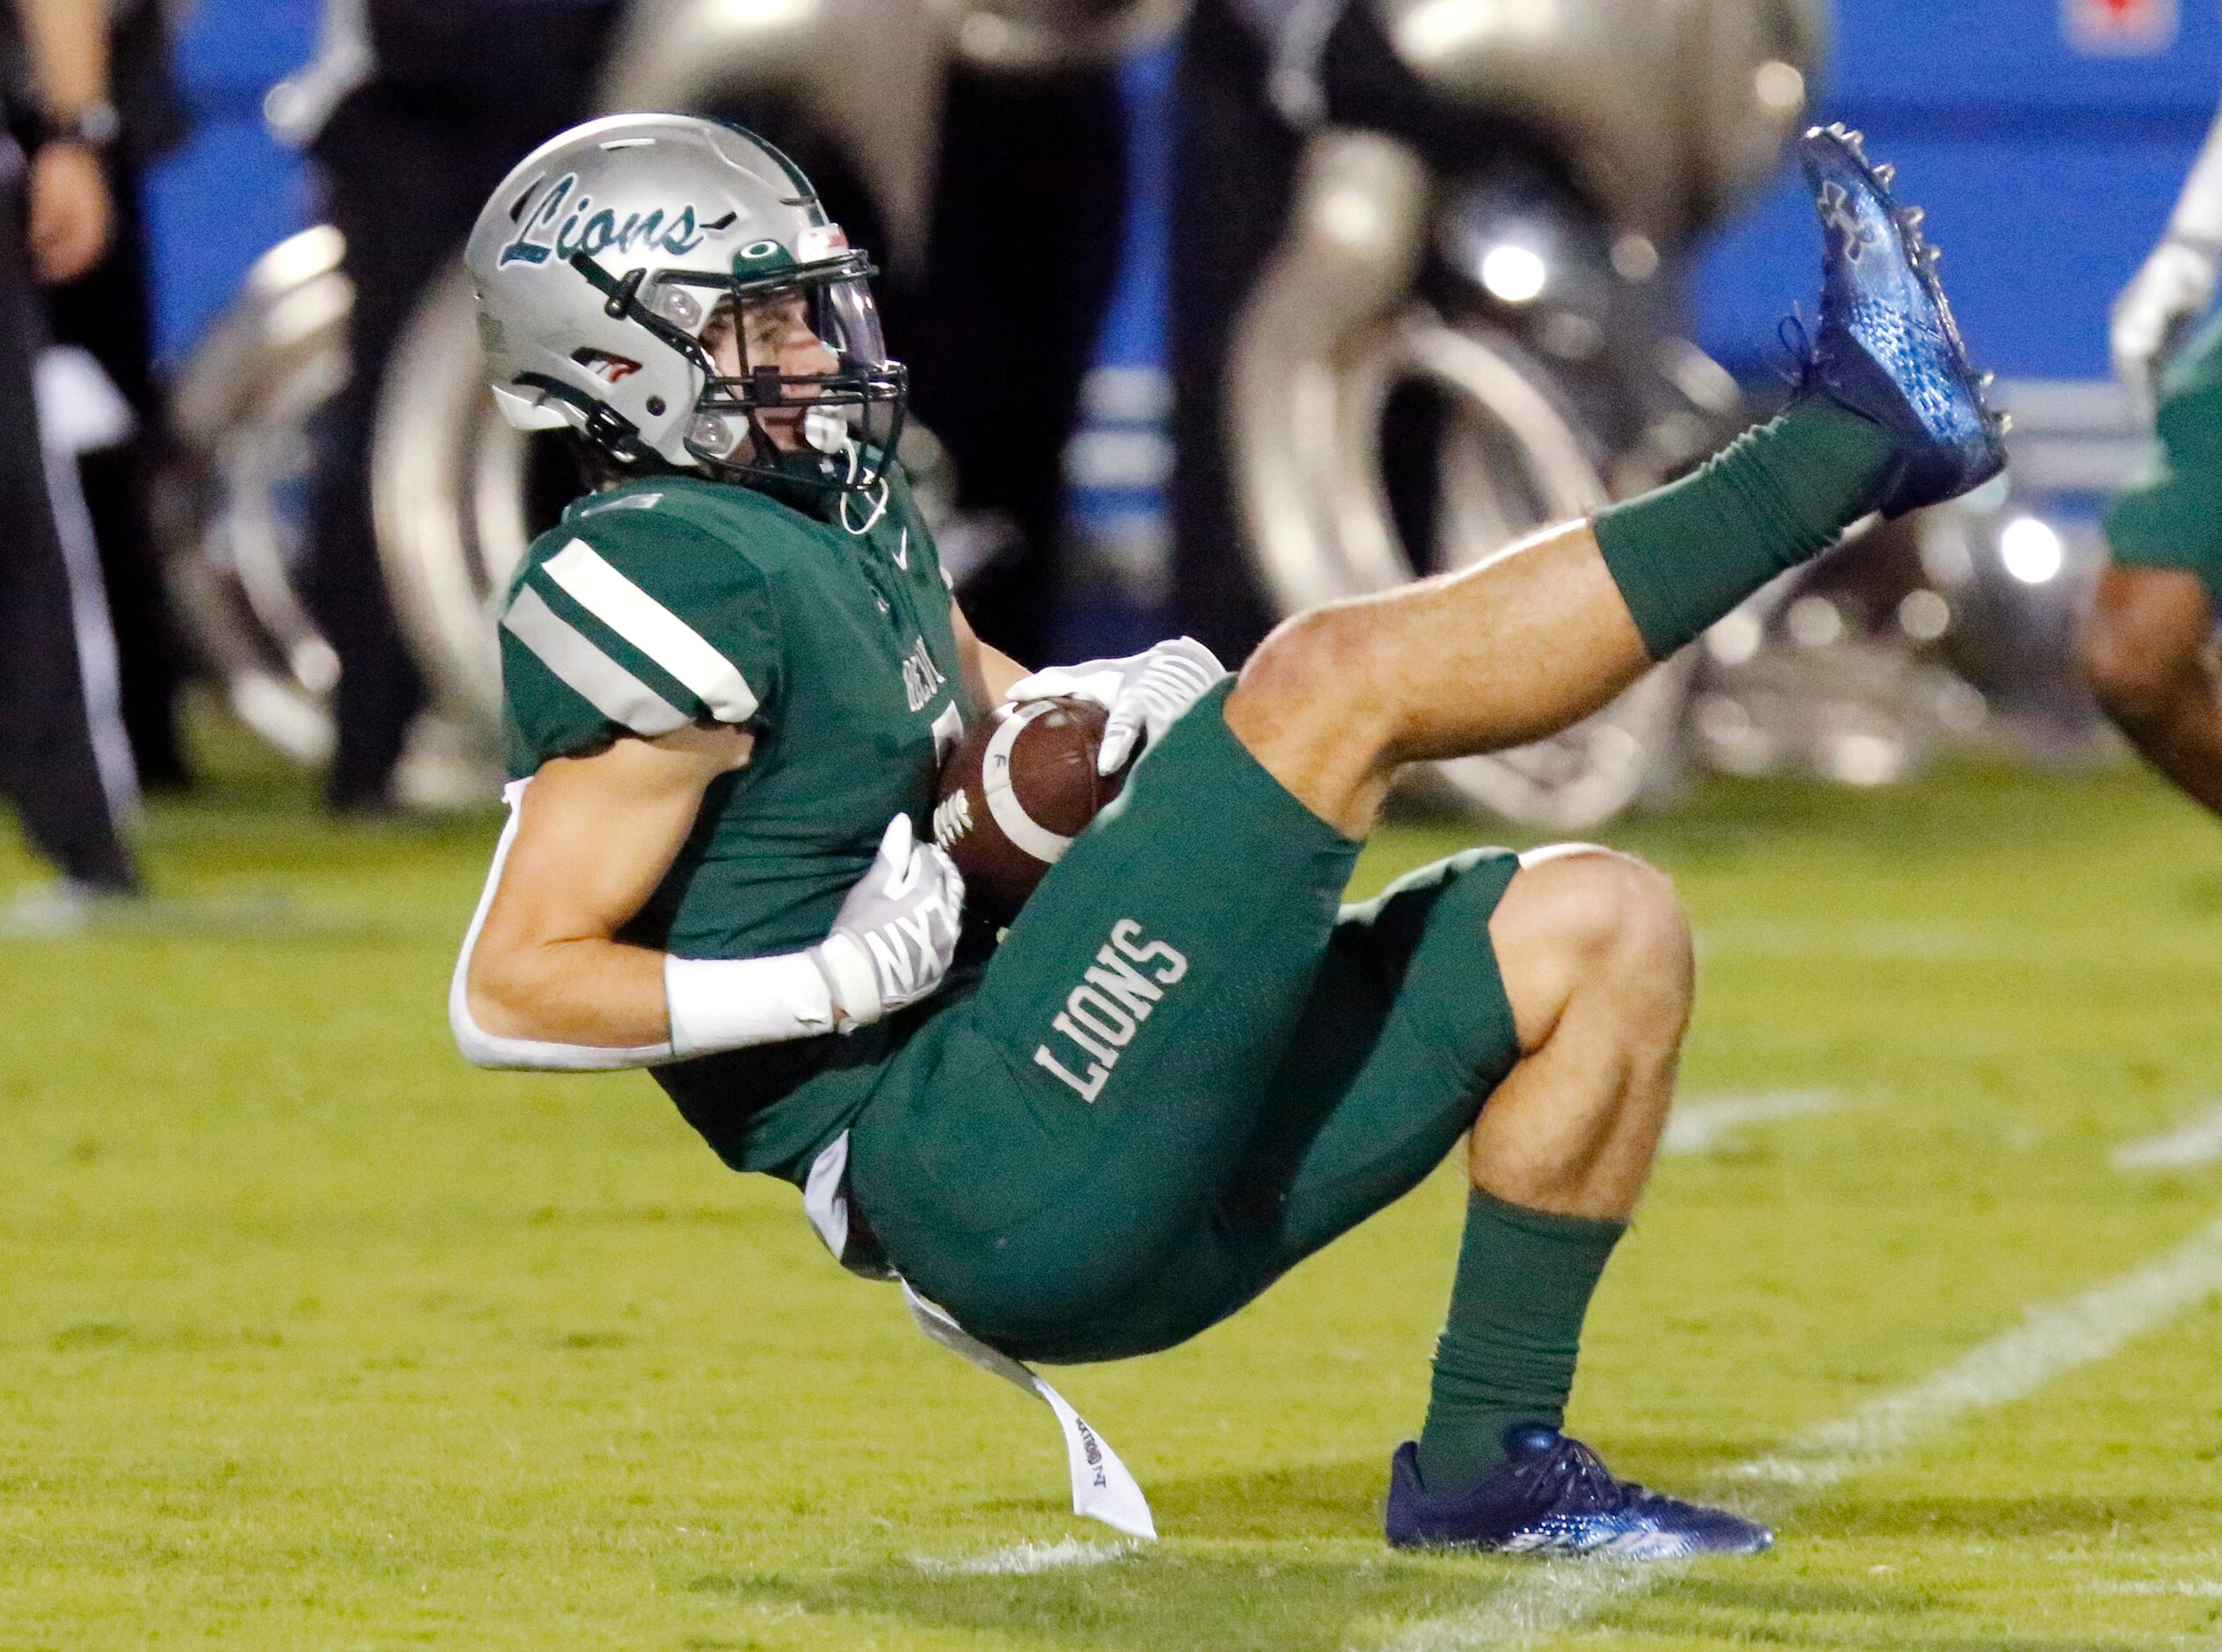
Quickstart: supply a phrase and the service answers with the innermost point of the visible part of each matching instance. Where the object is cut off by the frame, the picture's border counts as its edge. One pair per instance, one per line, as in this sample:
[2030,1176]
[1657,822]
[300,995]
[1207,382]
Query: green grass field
[311,1337]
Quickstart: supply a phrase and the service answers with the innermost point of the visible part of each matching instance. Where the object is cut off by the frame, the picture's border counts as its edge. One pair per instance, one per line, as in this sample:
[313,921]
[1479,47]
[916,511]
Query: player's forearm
[988,672]
[68,41]
[589,992]
[997,672]
[593,1006]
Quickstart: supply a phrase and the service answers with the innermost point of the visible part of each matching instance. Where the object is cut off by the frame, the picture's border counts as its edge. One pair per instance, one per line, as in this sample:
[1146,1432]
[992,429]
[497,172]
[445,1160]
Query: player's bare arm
[595,836]
[989,673]
[2148,652]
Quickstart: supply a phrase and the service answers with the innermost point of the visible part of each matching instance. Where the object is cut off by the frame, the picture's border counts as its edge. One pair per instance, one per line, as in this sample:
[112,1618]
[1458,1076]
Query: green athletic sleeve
[633,623]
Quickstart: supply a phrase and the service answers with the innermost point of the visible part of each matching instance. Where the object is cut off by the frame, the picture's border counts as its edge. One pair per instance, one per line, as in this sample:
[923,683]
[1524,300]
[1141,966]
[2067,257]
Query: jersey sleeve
[633,623]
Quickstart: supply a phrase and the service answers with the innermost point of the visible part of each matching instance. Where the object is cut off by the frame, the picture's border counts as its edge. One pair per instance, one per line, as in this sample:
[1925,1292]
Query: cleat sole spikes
[1886,343]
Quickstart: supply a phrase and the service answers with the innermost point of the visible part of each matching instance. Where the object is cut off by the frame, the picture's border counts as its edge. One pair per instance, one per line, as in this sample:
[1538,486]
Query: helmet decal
[584,230]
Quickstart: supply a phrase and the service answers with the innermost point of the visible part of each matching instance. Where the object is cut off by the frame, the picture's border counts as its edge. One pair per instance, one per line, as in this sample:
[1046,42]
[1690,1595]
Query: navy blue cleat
[1886,346]
[1556,1496]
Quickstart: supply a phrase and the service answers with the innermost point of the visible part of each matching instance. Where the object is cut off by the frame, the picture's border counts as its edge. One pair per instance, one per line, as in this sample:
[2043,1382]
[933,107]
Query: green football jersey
[676,601]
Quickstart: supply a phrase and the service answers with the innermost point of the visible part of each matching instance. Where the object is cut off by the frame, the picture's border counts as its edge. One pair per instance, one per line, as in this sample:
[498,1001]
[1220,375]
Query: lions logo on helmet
[604,255]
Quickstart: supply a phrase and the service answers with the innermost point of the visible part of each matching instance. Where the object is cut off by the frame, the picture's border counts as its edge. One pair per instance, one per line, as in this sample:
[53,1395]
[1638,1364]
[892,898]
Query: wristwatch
[97,125]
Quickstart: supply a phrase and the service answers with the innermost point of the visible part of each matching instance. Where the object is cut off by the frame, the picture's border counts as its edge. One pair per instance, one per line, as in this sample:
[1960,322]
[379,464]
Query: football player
[1188,1066]
[2147,646]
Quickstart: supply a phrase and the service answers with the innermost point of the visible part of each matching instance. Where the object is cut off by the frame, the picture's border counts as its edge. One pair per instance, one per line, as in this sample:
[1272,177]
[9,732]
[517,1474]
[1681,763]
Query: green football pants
[1188,1066]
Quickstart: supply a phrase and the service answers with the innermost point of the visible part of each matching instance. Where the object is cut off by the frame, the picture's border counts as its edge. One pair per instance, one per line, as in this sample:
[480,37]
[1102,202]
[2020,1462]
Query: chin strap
[877,490]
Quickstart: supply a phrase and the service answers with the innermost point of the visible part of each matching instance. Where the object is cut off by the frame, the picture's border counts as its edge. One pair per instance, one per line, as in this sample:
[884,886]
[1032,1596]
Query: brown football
[1015,794]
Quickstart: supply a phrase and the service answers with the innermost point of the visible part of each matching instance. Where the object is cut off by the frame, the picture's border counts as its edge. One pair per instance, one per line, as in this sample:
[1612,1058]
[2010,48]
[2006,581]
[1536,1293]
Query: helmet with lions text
[601,265]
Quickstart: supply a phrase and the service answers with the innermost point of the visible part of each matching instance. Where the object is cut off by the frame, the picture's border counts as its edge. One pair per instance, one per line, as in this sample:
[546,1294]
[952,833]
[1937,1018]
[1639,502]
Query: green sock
[1508,1348]
[1686,554]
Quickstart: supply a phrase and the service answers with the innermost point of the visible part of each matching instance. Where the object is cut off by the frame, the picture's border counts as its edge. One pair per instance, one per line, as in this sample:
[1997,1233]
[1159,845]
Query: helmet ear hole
[610,369]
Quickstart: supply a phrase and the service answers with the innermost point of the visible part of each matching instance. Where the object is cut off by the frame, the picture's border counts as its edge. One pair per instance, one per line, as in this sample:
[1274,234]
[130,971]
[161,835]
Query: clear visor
[793,364]
[846,319]
[775,325]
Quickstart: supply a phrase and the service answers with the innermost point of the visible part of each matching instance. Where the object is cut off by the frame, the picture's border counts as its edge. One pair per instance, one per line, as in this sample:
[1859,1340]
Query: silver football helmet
[606,254]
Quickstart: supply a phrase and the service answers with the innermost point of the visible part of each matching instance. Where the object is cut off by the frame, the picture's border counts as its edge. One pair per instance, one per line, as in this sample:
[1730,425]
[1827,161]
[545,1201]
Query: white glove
[895,933]
[2156,310]
[1144,693]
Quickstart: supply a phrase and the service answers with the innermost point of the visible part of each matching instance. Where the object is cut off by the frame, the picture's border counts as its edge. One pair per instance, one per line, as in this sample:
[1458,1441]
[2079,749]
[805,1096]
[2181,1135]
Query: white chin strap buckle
[825,430]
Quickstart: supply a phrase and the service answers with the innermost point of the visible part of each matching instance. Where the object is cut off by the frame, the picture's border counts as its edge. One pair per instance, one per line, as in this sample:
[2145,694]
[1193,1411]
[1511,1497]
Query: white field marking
[1702,1127]
[1023,1559]
[2052,1340]
[2195,1145]
[2194,1588]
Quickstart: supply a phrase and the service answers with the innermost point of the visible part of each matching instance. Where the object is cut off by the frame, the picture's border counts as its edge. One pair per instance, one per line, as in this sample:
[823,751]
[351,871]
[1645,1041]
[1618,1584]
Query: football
[1015,794]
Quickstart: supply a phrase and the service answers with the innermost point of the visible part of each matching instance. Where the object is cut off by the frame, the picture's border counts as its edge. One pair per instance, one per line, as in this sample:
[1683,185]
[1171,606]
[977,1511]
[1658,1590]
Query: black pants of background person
[48,769]
[1235,161]
[1023,254]
[464,90]
[106,311]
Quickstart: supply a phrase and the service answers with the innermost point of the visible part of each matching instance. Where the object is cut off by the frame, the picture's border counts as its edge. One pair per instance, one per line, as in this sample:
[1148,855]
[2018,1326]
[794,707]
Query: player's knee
[1596,921]
[1316,669]
[1640,935]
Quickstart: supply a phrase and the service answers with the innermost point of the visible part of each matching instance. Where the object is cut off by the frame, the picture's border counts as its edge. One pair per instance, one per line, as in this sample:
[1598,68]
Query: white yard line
[2195,1146]
[1704,1126]
[1023,1559]
[2189,1589]
[2051,1340]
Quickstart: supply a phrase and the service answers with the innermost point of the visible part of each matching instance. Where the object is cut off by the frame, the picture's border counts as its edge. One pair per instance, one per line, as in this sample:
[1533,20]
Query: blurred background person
[58,218]
[106,311]
[2148,648]
[1001,327]
[1234,159]
[1254,77]
[427,105]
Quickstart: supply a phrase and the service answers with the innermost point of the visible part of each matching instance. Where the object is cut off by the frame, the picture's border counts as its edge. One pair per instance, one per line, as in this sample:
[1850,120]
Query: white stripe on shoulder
[625,501]
[653,629]
[599,680]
